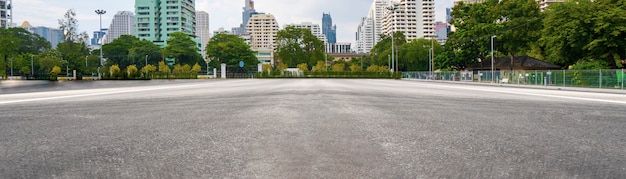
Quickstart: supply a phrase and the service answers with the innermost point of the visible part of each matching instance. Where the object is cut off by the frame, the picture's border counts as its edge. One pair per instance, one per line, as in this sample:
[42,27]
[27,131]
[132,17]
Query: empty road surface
[309,128]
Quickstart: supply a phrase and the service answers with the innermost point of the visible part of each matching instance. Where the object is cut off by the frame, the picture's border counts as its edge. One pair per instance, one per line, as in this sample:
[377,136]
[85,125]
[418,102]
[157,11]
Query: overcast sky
[346,14]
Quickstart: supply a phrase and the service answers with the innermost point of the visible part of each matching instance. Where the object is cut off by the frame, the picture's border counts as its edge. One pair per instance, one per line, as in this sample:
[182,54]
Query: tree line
[577,34]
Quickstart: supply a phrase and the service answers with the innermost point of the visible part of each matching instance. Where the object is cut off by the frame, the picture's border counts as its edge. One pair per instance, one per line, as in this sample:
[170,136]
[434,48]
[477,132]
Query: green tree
[381,52]
[339,67]
[55,70]
[373,68]
[69,25]
[298,45]
[132,70]
[267,68]
[117,52]
[196,68]
[414,56]
[182,47]
[163,68]
[148,69]
[142,49]
[356,68]
[303,67]
[8,48]
[230,49]
[114,70]
[519,24]
[319,67]
[48,59]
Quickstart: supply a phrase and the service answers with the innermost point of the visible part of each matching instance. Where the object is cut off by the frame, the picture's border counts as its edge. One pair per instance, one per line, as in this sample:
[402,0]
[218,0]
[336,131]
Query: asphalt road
[317,128]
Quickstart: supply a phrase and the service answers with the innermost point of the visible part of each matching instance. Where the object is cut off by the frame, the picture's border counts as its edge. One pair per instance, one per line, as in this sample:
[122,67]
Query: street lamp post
[146,60]
[430,70]
[86,62]
[492,61]
[32,66]
[11,69]
[393,8]
[100,13]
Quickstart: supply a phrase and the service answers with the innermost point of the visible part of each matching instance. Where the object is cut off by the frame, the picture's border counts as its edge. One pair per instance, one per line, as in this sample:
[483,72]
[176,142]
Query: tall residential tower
[157,19]
[6,13]
[202,30]
[415,18]
[123,23]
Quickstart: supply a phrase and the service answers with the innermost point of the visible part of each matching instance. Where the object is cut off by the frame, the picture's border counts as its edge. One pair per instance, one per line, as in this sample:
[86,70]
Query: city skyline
[224,13]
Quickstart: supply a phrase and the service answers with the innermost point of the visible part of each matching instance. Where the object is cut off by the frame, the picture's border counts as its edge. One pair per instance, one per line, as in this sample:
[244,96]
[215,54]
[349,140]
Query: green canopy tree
[298,45]
[382,50]
[470,44]
[519,26]
[230,49]
[414,56]
[182,48]
[117,52]
[8,48]
[142,49]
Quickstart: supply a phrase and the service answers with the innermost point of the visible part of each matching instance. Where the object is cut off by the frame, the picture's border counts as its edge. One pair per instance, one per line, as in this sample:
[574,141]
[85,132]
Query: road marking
[533,94]
[106,93]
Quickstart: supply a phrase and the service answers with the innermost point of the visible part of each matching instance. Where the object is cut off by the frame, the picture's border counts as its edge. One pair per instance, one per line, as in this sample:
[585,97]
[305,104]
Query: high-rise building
[365,35]
[328,28]
[415,18]
[52,35]
[98,37]
[314,28]
[441,32]
[263,29]
[123,23]
[157,19]
[6,13]
[248,11]
[202,30]
[370,28]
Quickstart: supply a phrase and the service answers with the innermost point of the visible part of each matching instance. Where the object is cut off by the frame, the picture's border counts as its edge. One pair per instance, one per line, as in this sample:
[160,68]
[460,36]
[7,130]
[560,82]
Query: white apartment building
[370,28]
[123,23]
[203,33]
[543,4]
[314,28]
[263,29]
[6,12]
[468,1]
[377,14]
[365,36]
[415,18]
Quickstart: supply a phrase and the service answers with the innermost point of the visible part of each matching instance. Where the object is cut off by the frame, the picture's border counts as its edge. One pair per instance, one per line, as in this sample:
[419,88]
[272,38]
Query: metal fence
[607,79]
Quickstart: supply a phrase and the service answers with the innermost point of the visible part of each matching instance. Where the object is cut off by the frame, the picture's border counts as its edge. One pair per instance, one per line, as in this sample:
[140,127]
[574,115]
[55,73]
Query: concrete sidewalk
[593,90]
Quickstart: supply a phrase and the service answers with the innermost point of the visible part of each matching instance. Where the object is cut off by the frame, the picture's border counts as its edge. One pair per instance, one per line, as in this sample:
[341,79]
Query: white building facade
[6,13]
[415,18]
[123,23]
[203,33]
[263,29]
[314,28]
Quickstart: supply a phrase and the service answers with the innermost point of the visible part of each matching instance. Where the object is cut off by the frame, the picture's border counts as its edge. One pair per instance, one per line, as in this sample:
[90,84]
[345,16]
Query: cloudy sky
[224,13]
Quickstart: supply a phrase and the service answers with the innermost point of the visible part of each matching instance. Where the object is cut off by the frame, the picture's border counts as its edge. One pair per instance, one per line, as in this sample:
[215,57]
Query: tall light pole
[493,73]
[146,60]
[100,12]
[393,8]
[86,62]
[32,65]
